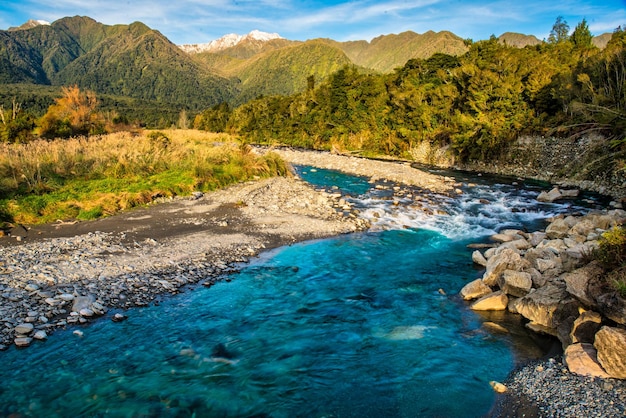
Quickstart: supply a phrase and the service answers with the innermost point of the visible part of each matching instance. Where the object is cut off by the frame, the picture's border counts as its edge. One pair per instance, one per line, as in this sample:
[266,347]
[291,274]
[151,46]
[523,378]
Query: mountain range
[138,62]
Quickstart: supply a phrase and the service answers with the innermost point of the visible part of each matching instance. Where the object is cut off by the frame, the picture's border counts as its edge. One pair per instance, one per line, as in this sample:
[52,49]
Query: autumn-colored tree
[72,114]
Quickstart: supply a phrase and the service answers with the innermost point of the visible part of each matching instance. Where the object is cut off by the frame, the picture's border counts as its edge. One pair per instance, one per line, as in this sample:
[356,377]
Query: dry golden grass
[95,176]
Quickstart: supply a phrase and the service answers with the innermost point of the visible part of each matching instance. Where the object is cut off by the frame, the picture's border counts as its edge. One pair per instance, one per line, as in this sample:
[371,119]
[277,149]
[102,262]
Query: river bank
[68,273]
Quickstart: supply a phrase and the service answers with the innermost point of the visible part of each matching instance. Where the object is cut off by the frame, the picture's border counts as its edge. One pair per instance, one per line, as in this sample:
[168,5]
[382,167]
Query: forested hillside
[125,60]
[473,105]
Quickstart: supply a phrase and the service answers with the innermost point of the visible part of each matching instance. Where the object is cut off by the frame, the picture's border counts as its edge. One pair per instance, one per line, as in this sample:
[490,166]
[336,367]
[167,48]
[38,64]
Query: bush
[611,253]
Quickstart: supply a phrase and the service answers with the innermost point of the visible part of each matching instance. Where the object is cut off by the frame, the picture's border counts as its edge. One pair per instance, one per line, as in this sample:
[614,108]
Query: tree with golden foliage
[72,114]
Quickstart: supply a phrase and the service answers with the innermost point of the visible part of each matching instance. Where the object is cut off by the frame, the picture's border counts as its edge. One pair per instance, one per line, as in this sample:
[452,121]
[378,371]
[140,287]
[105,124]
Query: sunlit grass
[86,178]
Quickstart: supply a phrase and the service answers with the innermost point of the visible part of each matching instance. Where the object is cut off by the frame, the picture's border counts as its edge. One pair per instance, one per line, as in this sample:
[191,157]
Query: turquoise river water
[361,325]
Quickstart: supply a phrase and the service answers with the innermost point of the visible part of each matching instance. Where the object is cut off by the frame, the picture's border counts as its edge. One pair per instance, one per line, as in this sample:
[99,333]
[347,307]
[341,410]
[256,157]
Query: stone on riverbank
[581,358]
[507,259]
[23,341]
[496,301]
[515,283]
[24,329]
[611,345]
[475,289]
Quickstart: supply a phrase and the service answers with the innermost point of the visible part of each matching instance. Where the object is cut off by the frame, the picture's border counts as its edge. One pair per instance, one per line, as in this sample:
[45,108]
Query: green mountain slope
[387,52]
[129,60]
[286,70]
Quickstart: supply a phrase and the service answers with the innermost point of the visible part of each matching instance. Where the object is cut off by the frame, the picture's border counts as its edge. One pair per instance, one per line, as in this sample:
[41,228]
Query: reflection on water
[363,325]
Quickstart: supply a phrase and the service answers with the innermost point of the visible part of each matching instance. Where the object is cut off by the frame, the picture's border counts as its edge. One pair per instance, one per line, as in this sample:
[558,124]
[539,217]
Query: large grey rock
[557,229]
[507,259]
[585,327]
[474,290]
[551,196]
[515,283]
[578,282]
[547,306]
[611,345]
[582,359]
[496,301]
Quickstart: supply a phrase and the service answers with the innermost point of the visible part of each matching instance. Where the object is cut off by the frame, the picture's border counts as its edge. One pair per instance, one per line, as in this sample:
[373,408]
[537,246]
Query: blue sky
[199,21]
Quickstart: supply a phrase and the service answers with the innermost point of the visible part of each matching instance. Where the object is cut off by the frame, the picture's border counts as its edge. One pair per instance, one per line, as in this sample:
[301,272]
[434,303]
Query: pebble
[40,335]
[552,391]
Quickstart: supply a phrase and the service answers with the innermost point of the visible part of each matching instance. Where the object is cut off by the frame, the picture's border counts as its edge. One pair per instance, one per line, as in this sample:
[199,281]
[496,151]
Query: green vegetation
[120,60]
[474,105]
[611,253]
[85,178]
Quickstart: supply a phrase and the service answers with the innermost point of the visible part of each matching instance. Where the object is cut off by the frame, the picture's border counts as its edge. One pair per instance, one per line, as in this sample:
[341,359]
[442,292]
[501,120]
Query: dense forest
[474,105]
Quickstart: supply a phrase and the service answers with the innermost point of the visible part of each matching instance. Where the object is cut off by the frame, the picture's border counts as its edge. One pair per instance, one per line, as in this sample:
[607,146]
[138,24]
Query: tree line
[475,104]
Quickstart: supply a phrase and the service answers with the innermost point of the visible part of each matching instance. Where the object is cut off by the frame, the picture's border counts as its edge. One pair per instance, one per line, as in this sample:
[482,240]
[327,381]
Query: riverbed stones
[582,359]
[24,329]
[474,290]
[515,283]
[479,258]
[569,297]
[495,301]
[611,345]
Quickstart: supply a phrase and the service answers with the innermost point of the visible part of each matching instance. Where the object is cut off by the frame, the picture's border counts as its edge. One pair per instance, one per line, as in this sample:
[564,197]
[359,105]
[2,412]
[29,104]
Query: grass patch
[87,178]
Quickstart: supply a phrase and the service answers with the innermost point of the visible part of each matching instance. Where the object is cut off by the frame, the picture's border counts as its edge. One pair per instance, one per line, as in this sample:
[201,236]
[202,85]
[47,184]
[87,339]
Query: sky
[201,21]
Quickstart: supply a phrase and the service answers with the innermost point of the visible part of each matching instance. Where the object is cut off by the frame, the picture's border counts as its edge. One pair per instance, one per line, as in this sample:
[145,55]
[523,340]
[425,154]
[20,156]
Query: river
[361,325]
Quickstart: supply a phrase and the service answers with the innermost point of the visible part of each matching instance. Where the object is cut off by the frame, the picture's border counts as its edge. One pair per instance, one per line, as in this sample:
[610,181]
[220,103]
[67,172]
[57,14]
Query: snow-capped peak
[228,41]
[31,24]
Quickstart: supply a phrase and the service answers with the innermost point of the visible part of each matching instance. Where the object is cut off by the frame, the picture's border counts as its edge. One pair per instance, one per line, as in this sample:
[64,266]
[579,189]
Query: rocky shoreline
[548,278]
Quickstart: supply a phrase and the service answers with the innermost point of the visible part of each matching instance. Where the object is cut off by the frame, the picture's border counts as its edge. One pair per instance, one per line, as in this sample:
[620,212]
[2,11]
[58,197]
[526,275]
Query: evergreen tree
[581,37]
[559,32]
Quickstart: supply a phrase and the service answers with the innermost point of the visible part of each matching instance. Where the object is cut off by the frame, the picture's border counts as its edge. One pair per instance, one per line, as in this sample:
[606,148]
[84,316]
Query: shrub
[611,253]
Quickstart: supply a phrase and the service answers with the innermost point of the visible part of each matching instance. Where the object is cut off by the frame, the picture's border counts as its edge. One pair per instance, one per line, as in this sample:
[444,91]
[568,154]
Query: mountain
[130,60]
[286,70]
[255,37]
[601,40]
[30,24]
[387,52]
[518,40]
